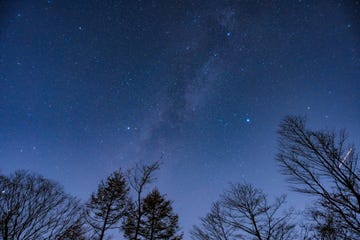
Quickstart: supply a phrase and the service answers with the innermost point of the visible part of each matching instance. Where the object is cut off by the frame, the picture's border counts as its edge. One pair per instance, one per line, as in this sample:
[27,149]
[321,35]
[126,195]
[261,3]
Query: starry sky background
[87,87]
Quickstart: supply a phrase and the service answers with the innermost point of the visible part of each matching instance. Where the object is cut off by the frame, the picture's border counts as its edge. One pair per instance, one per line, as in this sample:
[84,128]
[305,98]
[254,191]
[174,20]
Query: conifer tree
[108,205]
[76,231]
[138,177]
[158,220]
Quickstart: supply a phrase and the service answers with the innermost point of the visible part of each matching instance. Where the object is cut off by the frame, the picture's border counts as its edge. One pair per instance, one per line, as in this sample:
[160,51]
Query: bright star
[248,120]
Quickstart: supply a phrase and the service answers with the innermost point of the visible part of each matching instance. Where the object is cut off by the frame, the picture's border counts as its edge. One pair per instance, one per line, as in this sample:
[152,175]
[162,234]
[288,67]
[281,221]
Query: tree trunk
[138,216]
[102,233]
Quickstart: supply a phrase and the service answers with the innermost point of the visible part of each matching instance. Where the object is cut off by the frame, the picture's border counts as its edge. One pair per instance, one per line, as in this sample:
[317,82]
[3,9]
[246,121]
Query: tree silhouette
[326,226]
[214,226]
[158,220]
[32,207]
[75,232]
[321,164]
[108,205]
[138,177]
[244,212]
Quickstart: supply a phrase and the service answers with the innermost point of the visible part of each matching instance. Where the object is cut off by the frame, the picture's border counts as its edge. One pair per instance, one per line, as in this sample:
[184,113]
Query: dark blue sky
[87,87]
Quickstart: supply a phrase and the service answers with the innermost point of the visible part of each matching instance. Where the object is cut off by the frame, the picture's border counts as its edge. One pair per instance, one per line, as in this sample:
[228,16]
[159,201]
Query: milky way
[87,87]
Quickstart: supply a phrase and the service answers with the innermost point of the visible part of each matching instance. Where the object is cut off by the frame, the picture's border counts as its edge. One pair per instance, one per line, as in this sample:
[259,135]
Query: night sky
[87,87]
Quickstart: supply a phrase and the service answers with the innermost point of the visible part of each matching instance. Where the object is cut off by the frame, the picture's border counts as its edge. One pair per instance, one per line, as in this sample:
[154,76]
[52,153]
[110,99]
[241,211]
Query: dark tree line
[32,207]
[244,212]
[148,217]
[320,164]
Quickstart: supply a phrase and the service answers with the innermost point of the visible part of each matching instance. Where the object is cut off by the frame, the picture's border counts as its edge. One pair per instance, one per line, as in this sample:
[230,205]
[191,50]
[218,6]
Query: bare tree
[32,207]
[138,177]
[326,226]
[321,164]
[108,205]
[214,226]
[244,212]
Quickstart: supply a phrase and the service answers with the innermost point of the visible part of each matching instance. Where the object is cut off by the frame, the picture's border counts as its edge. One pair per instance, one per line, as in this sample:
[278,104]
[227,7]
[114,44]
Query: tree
[243,212]
[108,205]
[75,232]
[214,226]
[138,177]
[323,165]
[32,207]
[158,220]
[325,226]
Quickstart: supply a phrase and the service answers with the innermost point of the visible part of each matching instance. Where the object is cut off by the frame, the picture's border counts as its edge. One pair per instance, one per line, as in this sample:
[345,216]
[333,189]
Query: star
[187,85]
